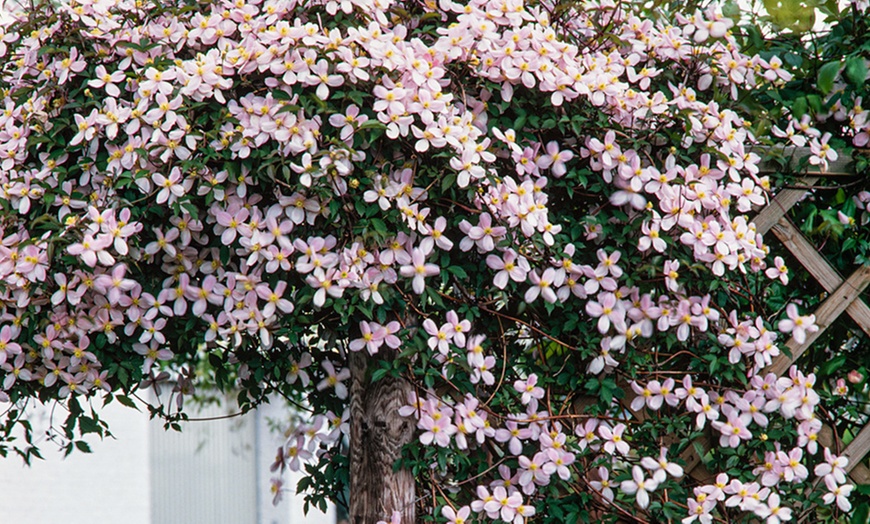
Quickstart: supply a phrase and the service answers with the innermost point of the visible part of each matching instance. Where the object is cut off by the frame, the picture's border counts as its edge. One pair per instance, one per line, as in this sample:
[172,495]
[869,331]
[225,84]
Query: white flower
[773,512]
[661,467]
[639,486]
[840,493]
[798,325]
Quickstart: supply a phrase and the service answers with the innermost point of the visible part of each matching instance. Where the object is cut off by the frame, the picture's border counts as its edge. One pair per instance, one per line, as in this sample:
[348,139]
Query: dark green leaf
[856,71]
[127,401]
[89,425]
[458,271]
[827,76]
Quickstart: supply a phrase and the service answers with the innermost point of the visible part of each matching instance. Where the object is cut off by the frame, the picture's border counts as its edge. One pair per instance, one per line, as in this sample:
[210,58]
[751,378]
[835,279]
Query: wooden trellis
[844,296]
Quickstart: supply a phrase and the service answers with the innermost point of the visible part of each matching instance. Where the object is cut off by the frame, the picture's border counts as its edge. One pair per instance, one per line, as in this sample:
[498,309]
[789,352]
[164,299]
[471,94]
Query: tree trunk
[377,434]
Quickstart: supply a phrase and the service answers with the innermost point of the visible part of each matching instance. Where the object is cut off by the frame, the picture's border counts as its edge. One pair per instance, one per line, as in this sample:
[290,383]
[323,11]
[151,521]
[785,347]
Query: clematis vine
[258,195]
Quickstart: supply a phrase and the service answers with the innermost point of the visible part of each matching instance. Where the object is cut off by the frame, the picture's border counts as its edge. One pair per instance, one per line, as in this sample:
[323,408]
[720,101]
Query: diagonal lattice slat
[856,451]
[831,308]
[779,206]
[773,215]
[819,268]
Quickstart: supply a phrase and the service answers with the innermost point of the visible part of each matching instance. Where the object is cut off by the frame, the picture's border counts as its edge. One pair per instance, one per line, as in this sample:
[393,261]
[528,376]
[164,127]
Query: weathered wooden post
[377,434]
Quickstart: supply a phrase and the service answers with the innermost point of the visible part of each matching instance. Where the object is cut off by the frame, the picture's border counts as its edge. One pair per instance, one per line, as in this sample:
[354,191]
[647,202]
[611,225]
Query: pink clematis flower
[419,270]
[484,235]
[799,326]
[437,429]
[821,152]
[604,485]
[456,517]
[839,493]
[661,467]
[544,285]
[334,380]
[91,250]
[107,80]
[772,512]
[372,338]
[510,266]
[555,159]
[613,439]
[607,309]
[529,389]
[780,270]
[639,486]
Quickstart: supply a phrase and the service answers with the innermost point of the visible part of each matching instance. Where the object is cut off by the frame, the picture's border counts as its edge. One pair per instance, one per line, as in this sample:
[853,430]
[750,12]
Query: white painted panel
[110,485]
[206,473]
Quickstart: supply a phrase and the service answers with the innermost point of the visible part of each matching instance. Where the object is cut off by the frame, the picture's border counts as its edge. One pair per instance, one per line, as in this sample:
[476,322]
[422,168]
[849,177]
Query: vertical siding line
[258,472]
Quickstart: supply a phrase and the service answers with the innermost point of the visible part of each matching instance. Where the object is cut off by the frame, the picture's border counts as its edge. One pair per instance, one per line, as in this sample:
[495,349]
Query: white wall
[82,489]
[213,472]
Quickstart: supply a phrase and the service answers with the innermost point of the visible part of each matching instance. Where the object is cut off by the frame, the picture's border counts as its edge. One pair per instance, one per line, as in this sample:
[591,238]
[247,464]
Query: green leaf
[856,71]
[699,449]
[433,16]
[606,395]
[127,401]
[448,181]
[833,365]
[731,9]
[356,97]
[815,102]
[89,425]
[793,59]
[83,446]
[379,374]
[379,225]
[791,14]
[861,515]
[827,76]
[280,94]
[288,108]
[371,124]
[458,271]
[849,244]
